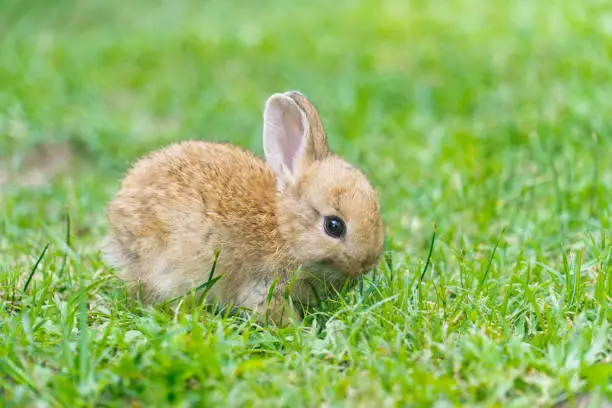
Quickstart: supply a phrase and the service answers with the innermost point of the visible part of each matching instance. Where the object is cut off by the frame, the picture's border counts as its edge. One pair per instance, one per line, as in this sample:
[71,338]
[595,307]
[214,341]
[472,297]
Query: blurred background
[466,114]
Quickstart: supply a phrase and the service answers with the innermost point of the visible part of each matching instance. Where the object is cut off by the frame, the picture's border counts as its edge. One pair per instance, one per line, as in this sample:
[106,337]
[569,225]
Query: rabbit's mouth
[320,279]
[332,274]
[346,269]
[325,271]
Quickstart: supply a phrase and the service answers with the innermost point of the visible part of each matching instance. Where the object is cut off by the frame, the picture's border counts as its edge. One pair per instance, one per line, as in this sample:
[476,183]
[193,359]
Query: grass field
[486,123]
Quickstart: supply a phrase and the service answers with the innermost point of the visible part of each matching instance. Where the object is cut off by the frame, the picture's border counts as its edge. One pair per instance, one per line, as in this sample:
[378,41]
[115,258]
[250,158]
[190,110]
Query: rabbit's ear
[317,131]
[288,139]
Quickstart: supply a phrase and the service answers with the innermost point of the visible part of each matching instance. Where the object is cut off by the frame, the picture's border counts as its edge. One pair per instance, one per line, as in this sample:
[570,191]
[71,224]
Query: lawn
[486,128]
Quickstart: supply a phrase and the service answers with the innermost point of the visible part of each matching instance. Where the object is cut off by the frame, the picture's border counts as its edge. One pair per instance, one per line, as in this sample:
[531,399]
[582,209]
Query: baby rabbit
[304,209]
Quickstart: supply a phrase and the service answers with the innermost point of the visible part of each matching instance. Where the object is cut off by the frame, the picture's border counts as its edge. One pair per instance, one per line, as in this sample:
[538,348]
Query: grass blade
[40,257]
[483,279]
[65,257]
[431,247]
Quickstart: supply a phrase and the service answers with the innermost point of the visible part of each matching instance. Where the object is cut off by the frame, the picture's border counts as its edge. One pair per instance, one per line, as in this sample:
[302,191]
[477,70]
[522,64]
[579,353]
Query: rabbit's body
[180,223]
[179,205]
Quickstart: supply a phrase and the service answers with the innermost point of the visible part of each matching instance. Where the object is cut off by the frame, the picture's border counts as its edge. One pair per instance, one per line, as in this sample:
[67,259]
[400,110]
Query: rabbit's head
[327,211]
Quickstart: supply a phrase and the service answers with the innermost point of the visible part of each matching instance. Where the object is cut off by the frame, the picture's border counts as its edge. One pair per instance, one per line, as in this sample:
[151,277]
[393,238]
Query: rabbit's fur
[179,204]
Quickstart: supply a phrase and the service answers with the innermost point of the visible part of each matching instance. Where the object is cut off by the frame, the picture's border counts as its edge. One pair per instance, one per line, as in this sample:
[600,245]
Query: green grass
[488,123]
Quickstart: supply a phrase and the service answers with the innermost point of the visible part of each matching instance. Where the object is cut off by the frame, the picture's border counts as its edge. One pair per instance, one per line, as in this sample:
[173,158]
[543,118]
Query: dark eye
[334,226]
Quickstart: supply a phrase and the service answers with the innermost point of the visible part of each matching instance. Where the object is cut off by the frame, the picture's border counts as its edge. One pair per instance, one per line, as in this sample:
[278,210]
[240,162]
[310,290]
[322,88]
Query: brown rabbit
[304,209]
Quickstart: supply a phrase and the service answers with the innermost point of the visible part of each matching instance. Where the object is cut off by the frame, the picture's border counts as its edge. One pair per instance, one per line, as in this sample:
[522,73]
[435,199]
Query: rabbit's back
[178,205]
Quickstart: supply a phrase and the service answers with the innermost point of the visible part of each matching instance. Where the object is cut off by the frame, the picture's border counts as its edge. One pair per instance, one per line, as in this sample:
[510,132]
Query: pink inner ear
[291,141]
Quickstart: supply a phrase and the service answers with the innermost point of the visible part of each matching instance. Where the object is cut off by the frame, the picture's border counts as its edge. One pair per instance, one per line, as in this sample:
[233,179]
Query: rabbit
[302,211]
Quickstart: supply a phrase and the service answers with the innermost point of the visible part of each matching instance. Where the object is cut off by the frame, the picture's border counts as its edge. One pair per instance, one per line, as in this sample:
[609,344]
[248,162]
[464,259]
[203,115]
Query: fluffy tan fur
[179,204]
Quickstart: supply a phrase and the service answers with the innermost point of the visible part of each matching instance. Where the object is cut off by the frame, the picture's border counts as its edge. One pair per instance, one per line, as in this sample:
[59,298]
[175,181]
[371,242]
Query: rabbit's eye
[334,226]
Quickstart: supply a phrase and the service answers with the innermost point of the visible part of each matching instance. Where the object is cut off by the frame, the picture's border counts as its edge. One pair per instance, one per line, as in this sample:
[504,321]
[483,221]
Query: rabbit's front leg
[277,310]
